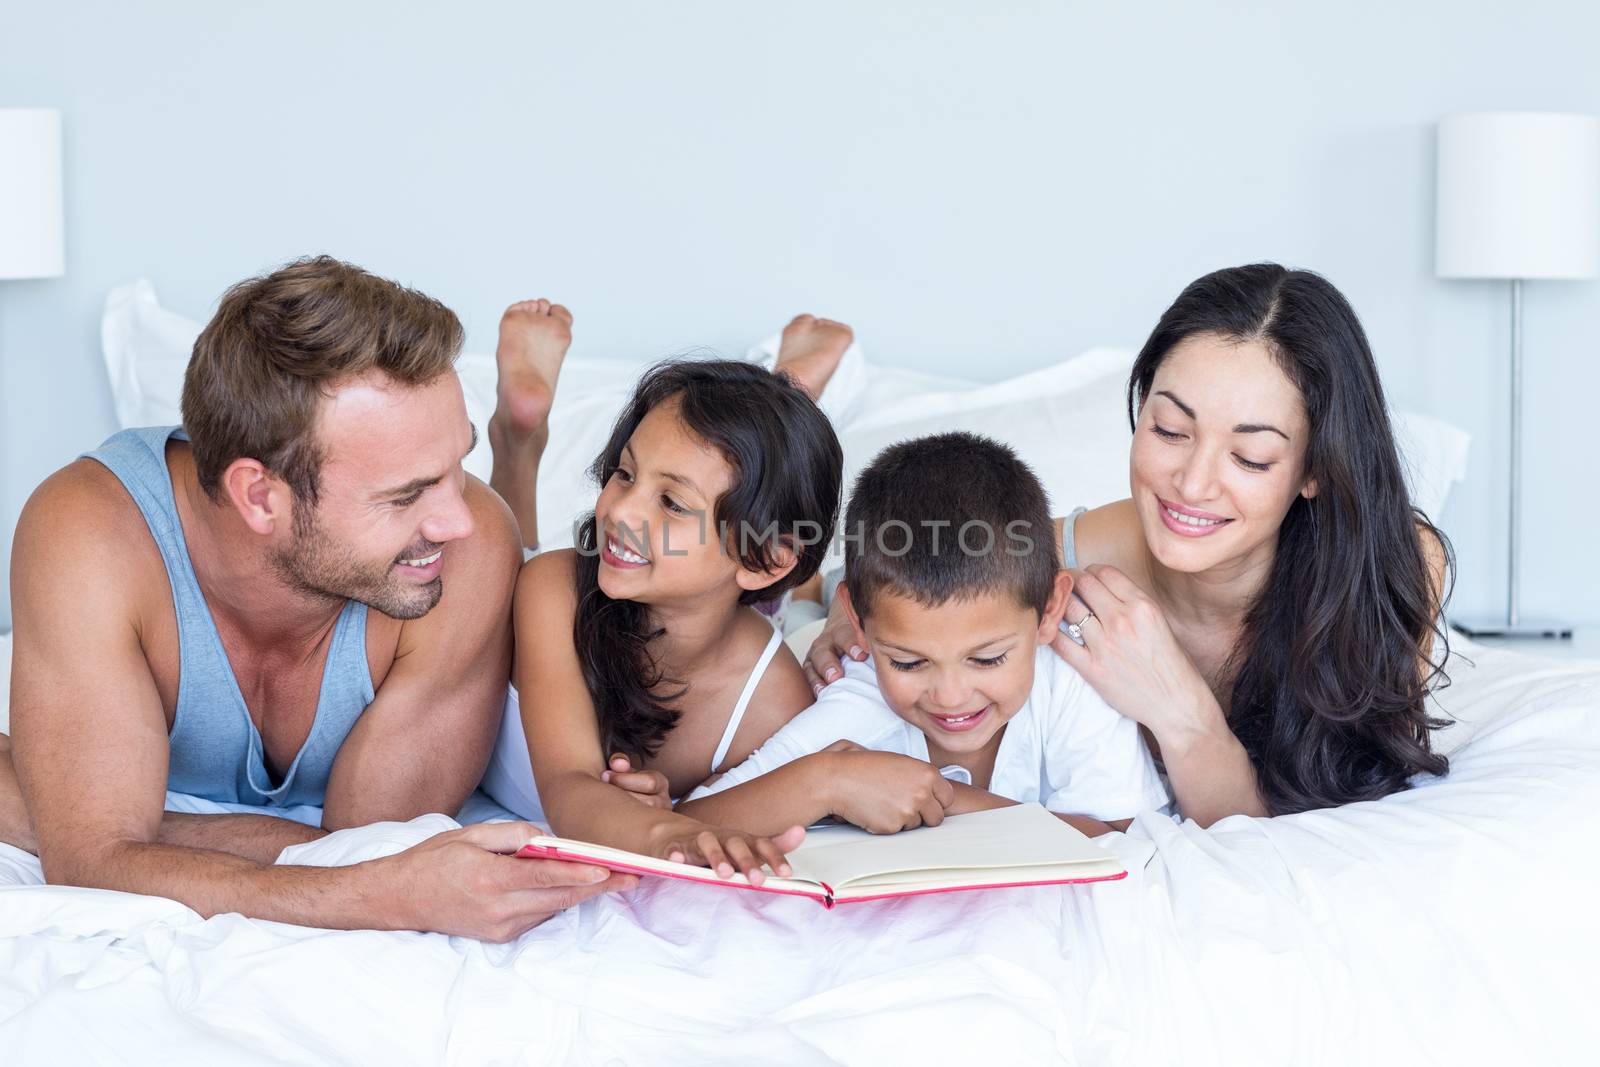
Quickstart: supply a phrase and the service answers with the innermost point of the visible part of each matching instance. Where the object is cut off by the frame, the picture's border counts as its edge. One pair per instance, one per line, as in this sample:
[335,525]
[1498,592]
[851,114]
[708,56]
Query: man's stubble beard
[316,565]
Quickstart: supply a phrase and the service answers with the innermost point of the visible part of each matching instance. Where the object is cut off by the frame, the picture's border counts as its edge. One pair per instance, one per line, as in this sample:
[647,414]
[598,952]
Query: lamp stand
[1514,625]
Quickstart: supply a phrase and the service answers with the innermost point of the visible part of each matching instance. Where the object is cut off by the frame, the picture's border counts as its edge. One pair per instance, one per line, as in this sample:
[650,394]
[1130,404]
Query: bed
[1452,923]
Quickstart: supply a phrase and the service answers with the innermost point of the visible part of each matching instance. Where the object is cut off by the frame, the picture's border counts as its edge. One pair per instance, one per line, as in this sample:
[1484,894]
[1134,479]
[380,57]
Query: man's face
[390,498]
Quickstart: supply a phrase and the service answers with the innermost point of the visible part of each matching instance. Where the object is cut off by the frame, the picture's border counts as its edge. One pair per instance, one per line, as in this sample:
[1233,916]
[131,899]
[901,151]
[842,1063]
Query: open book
[1016,846]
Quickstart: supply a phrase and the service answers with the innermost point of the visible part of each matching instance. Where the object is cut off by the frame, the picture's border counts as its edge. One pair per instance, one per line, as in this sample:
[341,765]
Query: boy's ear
[784,559]
[842,595]
[1055,607]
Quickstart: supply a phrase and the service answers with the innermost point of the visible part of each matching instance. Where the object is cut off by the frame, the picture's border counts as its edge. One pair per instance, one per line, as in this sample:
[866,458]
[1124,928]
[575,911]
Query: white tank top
[509,777]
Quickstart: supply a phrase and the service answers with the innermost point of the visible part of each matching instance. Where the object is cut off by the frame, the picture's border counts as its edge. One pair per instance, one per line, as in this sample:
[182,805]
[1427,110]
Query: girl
[640,650]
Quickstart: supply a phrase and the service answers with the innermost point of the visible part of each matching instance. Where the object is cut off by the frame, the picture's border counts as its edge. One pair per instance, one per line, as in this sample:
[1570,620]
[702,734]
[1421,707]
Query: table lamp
[31,244]
[1518,200]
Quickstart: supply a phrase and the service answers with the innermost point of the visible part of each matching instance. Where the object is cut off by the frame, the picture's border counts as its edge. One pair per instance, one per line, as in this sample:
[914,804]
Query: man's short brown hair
[278,343]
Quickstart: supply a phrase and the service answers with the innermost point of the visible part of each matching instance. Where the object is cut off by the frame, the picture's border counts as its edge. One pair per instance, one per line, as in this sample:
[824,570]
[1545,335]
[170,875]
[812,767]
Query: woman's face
[1218,454]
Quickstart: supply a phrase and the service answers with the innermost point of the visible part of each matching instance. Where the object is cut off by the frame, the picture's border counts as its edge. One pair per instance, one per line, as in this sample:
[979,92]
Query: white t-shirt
[1066,748]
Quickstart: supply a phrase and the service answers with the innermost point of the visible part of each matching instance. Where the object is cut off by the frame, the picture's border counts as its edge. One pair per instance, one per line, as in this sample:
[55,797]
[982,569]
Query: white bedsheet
[1452,923]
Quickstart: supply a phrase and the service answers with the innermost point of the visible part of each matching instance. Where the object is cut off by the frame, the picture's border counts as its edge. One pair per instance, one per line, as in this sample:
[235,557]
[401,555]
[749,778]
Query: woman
[1265,602]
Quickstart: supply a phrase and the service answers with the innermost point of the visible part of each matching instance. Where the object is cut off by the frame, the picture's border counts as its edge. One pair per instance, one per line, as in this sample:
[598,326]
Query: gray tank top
[216,751]
[1069,539]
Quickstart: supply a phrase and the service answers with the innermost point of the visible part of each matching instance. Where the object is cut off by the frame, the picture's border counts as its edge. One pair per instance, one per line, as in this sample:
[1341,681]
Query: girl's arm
[558,717]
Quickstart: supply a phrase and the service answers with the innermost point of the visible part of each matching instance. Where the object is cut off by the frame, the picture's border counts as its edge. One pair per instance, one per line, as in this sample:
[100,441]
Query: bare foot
[810,351]
[534,337]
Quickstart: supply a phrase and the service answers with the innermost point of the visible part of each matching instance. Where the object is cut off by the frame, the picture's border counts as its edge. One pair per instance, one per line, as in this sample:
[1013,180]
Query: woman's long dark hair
[787,468]
[1328,684]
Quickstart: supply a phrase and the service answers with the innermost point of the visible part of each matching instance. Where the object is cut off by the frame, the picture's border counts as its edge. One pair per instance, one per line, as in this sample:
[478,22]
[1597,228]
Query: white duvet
[1454,923]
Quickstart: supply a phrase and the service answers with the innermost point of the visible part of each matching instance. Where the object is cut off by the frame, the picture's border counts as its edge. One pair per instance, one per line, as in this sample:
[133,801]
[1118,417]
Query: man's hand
[649,788]
[885,792]
[467,882]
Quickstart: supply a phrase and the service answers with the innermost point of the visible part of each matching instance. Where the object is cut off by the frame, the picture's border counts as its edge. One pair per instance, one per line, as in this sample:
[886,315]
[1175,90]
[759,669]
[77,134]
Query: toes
[559,311]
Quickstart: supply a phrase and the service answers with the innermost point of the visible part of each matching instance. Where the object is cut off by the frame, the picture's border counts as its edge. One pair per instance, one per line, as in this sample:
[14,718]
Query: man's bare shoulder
[494,549]
[82,523]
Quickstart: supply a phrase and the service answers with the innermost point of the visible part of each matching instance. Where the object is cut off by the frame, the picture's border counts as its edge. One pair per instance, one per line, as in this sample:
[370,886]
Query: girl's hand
[885,792]
[726,851]
[837,640]
[1132,659]
[649,788]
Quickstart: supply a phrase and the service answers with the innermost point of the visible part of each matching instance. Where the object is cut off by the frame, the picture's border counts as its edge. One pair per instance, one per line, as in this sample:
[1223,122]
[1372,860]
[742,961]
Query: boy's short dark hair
[953,515]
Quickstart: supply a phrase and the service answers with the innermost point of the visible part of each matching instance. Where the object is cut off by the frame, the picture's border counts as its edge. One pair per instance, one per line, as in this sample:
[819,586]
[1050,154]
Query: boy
[953,586]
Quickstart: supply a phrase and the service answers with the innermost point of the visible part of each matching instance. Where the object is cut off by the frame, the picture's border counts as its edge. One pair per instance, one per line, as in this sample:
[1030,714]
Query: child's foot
[810,350]
[534,337]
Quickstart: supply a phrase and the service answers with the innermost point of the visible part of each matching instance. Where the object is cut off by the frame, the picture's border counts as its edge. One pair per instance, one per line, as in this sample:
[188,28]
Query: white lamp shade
[31,243]
[1519,196]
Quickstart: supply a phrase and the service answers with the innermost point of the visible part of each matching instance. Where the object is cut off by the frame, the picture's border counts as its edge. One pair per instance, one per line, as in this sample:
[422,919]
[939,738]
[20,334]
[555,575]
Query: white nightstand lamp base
[1532,629]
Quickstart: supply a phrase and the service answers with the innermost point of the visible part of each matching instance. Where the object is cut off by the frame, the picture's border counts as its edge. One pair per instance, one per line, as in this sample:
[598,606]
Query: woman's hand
[726,851]
[649,788]
[1132,659]
[838,639]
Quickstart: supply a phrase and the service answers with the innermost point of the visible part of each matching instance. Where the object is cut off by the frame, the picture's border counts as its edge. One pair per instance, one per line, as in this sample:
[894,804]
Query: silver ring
[1075,629]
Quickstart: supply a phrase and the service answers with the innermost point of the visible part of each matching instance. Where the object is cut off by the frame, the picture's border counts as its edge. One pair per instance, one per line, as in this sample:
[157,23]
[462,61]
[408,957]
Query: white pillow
[1066,420]
[147,347]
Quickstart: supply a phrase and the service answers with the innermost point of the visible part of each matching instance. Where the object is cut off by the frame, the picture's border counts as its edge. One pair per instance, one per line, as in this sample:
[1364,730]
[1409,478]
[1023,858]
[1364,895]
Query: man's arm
[255,837]
[423,743]
[90,745]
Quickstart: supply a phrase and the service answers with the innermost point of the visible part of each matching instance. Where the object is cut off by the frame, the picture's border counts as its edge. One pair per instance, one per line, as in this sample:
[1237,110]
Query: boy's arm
[881,792]
[794,793]
[971,798]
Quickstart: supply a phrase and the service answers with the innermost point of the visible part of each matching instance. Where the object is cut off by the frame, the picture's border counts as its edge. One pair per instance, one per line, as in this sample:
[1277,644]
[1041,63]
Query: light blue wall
[980,187]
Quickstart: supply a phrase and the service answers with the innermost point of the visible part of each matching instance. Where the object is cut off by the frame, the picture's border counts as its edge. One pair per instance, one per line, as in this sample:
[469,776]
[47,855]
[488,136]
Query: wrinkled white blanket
[1452,923]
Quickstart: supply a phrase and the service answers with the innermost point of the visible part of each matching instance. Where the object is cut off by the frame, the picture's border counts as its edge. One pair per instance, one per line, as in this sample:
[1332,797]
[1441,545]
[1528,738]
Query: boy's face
[957,672]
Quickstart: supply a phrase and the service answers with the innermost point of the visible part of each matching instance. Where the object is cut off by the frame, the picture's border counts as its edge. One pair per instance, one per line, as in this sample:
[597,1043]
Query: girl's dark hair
[1328,683]
[787,467]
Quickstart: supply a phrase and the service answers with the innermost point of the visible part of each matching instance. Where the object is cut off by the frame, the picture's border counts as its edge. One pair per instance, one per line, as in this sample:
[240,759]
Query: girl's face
[655,518]
[1218,454]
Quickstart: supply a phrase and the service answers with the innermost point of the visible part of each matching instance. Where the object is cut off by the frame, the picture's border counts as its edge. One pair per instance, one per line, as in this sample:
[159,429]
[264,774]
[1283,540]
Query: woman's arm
[1437,561]
[558,717]
[1134,662]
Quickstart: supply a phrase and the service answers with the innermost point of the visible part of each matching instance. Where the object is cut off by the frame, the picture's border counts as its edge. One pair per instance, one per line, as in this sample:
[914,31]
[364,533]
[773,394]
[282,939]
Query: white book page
[1024,836]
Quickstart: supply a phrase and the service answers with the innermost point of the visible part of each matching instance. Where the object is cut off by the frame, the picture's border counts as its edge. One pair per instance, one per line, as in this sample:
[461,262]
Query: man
[300,603]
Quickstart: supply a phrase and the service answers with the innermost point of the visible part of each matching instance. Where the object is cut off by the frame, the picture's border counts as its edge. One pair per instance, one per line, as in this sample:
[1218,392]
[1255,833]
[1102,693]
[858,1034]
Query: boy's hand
[649,788]
[726,851]
[885,792]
